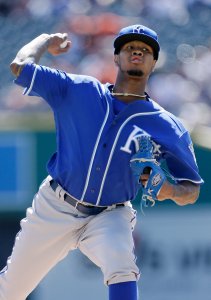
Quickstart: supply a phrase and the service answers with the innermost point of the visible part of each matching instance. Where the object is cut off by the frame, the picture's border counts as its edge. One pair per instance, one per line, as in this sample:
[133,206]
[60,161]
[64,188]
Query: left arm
[185,192]
[153,179]
[182,193]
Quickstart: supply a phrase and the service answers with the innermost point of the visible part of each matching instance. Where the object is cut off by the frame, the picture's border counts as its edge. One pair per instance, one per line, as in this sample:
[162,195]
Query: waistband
[83,208]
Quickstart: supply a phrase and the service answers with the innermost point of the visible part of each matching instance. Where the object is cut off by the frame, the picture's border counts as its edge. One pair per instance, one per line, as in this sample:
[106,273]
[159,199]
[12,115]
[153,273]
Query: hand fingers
[143,179]
[60,39]
[59,43]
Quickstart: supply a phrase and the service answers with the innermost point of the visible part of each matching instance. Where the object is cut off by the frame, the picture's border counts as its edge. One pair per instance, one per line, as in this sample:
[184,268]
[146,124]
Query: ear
[154,65]
[116,59]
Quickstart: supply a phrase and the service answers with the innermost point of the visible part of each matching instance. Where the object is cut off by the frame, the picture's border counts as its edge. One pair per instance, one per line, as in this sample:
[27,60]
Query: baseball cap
[140,33]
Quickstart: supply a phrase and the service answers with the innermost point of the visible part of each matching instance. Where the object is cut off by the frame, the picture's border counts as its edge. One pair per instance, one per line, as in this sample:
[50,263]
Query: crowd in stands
[181,81]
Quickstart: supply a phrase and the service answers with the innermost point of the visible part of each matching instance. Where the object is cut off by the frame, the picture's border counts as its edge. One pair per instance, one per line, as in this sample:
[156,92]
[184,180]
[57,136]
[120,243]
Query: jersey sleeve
[48,83]
[57,87]
[182,161]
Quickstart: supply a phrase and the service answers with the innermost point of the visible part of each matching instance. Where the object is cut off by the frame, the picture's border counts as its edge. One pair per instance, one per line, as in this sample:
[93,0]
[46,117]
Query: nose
[137,52]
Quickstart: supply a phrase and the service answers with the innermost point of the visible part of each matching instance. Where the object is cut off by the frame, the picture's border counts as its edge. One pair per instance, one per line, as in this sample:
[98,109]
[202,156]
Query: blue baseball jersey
[97,135]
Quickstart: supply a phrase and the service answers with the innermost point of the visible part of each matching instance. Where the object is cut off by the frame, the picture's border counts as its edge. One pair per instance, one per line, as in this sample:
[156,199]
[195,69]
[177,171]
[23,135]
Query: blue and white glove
[143,162]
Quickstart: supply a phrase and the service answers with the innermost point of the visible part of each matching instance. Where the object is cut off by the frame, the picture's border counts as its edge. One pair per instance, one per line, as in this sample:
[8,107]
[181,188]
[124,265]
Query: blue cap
[140,33]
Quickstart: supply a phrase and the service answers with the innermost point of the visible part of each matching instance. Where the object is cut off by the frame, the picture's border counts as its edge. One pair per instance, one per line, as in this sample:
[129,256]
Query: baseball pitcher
[111,142]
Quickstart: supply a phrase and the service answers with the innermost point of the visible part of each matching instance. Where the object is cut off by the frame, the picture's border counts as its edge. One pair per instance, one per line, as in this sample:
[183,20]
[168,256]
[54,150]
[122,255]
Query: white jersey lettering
[133,137]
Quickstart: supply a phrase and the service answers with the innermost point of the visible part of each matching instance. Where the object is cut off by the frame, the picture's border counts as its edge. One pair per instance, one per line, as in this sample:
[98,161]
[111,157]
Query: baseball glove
[143,162]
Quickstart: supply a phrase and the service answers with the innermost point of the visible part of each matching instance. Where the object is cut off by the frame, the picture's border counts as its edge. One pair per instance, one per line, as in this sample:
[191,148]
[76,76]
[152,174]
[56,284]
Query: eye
[129,48]
[145,50]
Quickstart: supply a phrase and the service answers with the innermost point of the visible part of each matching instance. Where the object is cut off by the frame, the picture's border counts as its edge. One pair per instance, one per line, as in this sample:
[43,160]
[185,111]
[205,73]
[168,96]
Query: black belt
[86,209]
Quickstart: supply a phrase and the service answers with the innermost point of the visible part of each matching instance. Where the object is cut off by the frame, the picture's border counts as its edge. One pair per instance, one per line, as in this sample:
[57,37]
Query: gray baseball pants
[52,228]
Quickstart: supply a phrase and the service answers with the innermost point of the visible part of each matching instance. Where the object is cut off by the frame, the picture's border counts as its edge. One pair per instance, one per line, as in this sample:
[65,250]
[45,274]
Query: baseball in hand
[63,45]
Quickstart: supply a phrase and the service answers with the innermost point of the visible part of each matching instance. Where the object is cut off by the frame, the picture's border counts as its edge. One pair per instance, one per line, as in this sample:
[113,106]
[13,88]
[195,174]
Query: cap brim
[126,38]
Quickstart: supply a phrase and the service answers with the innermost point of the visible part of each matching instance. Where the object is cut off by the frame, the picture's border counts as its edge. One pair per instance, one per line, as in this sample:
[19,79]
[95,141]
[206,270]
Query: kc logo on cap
[138,29]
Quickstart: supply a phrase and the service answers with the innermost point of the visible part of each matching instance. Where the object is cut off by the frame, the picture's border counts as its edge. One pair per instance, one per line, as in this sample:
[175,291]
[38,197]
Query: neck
[143,96]
[129,87]
[127,93]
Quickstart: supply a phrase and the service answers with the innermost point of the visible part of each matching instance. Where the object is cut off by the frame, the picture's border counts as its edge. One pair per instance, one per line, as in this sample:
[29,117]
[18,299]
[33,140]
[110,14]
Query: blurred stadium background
[174,245]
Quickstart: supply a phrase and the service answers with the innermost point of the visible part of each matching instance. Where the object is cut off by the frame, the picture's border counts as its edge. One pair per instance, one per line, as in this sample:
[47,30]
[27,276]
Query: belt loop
[110,207]
[48,180]
[62,193]
[76,204]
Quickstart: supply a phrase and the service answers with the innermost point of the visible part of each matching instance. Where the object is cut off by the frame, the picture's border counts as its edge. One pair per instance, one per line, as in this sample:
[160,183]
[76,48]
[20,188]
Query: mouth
[136,59]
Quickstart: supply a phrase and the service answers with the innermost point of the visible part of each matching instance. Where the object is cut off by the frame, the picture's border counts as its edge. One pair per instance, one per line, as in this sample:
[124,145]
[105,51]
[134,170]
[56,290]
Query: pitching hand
[58,43]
